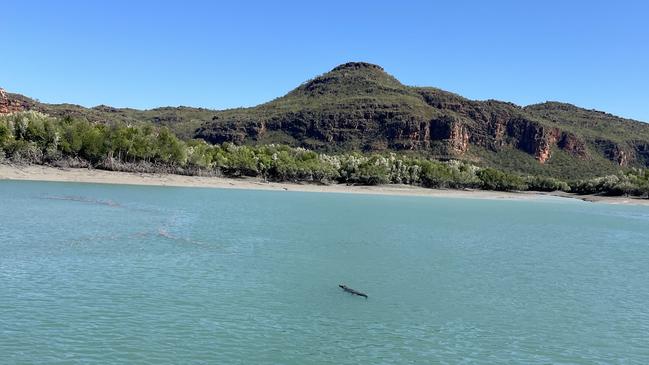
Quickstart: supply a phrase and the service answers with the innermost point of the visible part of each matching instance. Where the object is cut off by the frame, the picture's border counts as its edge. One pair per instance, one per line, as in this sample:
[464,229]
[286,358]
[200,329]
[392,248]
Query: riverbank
[82,175]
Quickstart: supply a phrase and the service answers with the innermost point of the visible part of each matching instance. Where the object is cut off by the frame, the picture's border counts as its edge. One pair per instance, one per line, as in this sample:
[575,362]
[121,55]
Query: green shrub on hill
[544,183]
[32,137]
[493,179]
[633,182]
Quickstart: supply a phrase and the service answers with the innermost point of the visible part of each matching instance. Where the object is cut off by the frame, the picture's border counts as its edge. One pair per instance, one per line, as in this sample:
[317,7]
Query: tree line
[33,137]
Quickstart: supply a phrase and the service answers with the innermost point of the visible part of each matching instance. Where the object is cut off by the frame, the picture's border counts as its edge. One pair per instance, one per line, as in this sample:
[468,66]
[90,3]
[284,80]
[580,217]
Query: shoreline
[83,175]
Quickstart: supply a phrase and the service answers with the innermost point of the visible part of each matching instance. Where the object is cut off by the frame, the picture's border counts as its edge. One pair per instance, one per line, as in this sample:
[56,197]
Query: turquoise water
[102,274]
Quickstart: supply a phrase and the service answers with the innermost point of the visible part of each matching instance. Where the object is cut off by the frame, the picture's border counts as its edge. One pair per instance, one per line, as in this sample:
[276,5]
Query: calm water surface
[101,274]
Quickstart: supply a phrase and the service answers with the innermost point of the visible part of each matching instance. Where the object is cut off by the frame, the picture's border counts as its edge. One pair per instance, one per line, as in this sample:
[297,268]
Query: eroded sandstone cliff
[10,103]
[358,106]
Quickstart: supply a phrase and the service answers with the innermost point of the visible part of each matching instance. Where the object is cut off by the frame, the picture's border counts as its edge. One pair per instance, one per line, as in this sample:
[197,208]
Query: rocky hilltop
[358,106]
[10,103]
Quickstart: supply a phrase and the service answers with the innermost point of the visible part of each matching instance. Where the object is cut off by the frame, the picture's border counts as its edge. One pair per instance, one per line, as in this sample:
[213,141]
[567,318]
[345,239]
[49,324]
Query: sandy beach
[47,173]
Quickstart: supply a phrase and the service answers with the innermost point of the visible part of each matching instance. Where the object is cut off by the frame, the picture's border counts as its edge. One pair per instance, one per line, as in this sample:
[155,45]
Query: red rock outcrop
[359,107]
[8,104]
[573,145]
[458,139]
[547,139]
[621,154]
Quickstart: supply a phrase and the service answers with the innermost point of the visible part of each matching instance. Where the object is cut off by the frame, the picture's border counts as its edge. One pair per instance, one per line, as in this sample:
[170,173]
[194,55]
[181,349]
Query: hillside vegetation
[359,108]
[34,137]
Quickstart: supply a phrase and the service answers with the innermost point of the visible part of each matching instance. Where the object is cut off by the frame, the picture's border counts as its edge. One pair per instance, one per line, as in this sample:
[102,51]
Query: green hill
[359,107]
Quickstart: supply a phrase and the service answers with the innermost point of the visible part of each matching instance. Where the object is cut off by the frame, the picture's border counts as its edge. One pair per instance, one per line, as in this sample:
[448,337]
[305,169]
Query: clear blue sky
[145,54]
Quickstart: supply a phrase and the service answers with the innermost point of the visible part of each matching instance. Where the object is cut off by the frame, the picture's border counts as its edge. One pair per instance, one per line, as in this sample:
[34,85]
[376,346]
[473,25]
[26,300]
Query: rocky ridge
[358,106]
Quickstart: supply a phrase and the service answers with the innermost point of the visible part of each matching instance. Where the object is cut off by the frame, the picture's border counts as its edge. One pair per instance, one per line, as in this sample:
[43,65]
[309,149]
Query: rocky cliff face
[496,125]
[10,103]
[615,152]
[359,106]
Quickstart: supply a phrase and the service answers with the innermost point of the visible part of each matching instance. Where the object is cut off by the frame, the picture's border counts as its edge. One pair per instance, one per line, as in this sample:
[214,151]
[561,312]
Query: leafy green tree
[21,122]
[493,179]
[71,139]
[120,141]
[240,161]
[93,146]
[199,154]
[169,149]
[435,174]
[374,171]
[144,145]
[544,183]
[5,134]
